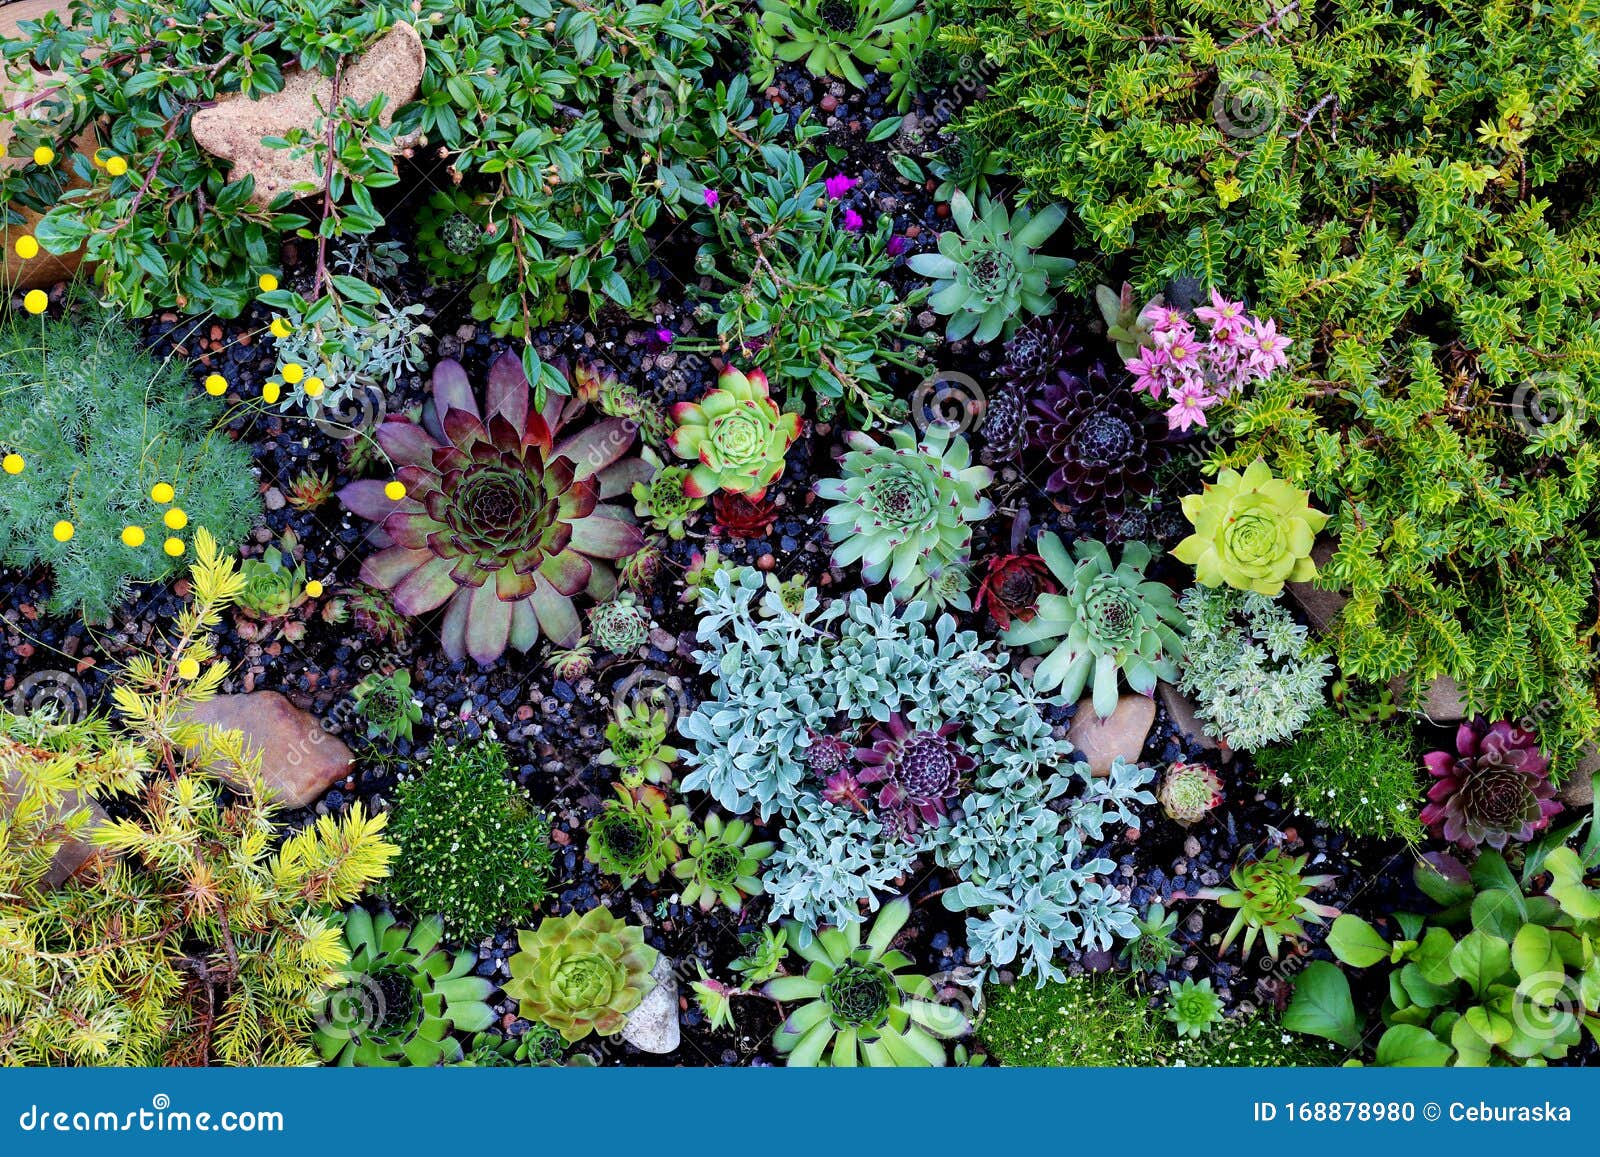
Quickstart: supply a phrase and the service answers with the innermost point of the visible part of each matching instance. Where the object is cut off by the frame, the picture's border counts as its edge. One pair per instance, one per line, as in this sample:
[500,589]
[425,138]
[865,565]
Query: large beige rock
[1181,710]
[1099,742]
[300,760]
[233,128]
[74,853]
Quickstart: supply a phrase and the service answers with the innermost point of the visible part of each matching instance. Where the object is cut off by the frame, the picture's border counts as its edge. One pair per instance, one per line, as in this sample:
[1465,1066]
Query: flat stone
[74,853]
[1180,709]
[233,128]
[300,760]
[1577,790]
[653,1026]
[1100,741]
[1442,701]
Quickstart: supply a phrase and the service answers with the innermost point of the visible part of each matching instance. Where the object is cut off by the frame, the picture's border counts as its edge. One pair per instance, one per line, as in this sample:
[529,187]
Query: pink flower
[1162,319]
[838,185]
[1269,349]
[1189,408]
[665,336]
[711,198]
[897,245]
[1226,318]
[1148,368]
[852,221]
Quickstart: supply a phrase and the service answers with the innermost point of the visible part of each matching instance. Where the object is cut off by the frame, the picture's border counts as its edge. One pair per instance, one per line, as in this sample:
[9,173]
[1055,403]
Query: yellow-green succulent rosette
[1251,531]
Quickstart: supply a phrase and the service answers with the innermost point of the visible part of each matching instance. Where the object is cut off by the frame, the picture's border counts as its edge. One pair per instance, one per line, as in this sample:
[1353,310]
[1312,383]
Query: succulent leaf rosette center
[1495,788]
[921,770]
[584,982]
[860,995]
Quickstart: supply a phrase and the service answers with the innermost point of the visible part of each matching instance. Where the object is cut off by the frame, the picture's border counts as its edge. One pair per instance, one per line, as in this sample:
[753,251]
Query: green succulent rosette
[581,973]
[1251,531]
[737,434]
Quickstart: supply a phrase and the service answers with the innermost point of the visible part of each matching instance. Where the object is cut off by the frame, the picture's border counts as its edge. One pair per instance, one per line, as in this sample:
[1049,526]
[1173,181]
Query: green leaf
[1408,1046]
[1322,1006]
[885,129]
[1480,959]
[1356,942]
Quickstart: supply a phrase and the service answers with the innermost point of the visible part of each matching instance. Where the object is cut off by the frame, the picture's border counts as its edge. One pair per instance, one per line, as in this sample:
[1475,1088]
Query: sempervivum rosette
[737,434]
[501,519]
[920,770]
[1101,445]
[1251,531]
[1495,788]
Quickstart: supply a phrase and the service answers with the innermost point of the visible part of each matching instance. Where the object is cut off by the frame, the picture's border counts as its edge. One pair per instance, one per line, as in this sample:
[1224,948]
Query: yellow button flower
[36,301]
[161,492]
[116,166]
[27,247]
[12,463]
[188,669]
[271,392]
[293,373]
[313,387]
[268,283]
[63,531]
[133,536]
[216,385]
[280,328]
[314,588]
[395,491]
[173,546]
[43,155]
[175,519]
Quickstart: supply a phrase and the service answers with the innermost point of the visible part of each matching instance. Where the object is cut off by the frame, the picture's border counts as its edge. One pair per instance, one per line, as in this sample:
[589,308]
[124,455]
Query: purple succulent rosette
[1494,788]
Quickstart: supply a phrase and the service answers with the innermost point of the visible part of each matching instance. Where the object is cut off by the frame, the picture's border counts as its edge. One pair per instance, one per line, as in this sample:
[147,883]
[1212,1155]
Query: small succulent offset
[664,499]
[860,1007]
[1124,318]
[1102,446]
[1195,1008]
[450,234]
[1152,946]
[581,973]
[720,863]
[901,508]
[308,490]
[502,517]
[1011,588]
[403,997]
[637,835]
[620,625]
[736,435]
[274,588]
[1110,619]
[637,736]
[1253,672]
[1271,898]
[836,37]
[1251,531]
[986,271]
[386,705]
[922,771]
[764,952]
[1495,787]
[1189,791]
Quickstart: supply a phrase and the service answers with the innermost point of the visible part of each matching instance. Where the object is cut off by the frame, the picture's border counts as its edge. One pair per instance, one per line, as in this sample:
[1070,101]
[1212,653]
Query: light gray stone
[653,1026]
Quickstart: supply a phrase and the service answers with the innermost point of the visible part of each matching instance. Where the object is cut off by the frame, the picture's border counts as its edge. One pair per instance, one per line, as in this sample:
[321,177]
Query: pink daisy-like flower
[838,185]
[1148,368]
[1190,403]
[1226,318]
[1269,349]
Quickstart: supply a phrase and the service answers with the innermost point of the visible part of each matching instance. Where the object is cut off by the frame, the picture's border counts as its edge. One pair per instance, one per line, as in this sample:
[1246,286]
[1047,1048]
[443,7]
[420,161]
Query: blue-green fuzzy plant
[1108,618]
[905,511]
[1253,673]
[1018,830]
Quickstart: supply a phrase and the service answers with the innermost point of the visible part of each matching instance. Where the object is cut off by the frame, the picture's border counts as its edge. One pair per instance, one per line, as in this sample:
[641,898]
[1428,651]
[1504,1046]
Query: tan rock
[300,760]
[233,128]
[1577,789]
[1442,701]
[74,853]
[1100,741]
[1320,606]
[1180,709]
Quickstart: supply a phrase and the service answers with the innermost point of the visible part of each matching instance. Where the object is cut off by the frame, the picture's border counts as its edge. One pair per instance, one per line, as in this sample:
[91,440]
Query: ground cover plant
[739,532]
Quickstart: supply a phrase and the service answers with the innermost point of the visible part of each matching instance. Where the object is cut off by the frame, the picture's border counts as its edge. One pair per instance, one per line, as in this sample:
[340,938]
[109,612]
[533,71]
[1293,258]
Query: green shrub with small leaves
[96,425]
[472,850]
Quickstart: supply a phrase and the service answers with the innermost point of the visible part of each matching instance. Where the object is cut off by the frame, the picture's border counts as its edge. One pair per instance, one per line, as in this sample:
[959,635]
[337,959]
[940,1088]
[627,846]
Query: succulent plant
[1195,1008]
[921,771]
[572,663]
[402,997]
[638,743]
[309,490]
[640,569]
[1272,898]
[836,37]
[581,973]
[1494,788]
[450,236]
[736,435]
[1011,588]
[1101,445]
[741,517]
[720,863]
[1124,319]
[986,271]
[1189,791]
[1251,531]
[1004,429]
[385,703]
[663,500]
[1152,945]
[860,1006]
[704,567]
[827,754]
[790,596]
[962,161]
[274,584]
[373,615]
[637,835]
[620,625]
[499,519]
[598,384]
[902,507]
[945,586]
[763,951]
[1039,349]
[1110,619]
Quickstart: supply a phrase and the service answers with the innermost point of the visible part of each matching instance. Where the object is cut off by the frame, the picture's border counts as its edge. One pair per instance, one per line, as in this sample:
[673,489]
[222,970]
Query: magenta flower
[1269,348]
[711,198]
[852,221]
[1190,402]
[1149,370]
[1226,318]
[838,185]
[665,336]
[897,245]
